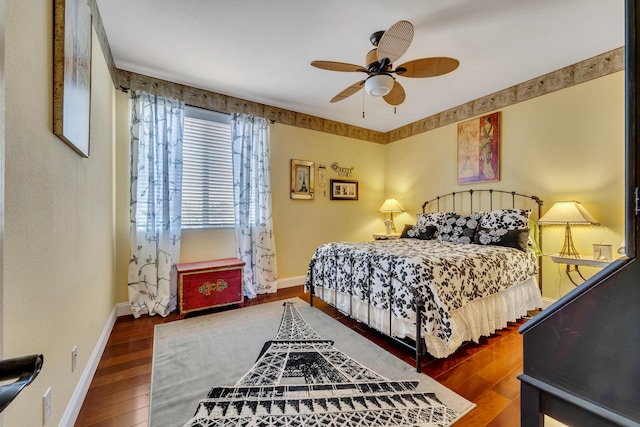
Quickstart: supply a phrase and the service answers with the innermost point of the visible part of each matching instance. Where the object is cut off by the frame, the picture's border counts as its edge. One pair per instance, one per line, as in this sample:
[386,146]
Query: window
[207,174]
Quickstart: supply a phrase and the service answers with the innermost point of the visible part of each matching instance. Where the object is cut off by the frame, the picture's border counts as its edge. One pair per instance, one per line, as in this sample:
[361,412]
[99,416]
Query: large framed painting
[72,73]
[479,149]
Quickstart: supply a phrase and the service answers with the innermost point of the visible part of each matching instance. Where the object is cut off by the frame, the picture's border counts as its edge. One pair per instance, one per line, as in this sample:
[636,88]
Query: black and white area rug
[304,373]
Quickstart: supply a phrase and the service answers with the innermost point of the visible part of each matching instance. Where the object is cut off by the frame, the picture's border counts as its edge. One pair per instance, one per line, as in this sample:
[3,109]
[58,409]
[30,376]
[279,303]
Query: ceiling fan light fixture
[381,82]
[379,85]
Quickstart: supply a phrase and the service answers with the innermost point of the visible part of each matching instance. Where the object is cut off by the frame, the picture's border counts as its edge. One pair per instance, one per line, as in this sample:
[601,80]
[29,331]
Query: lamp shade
[379,85]
[567,212]
[391,205]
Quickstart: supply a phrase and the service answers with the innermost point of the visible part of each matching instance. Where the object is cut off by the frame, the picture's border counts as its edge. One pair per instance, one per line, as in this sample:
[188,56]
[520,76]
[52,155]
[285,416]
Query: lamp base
[393,225]
[568,250]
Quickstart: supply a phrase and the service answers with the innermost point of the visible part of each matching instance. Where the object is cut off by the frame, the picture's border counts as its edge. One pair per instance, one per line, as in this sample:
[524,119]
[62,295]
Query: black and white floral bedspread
[445,275]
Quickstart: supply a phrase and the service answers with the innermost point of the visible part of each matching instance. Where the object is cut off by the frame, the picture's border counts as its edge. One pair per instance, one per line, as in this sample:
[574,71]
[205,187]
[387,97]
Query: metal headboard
[470,193]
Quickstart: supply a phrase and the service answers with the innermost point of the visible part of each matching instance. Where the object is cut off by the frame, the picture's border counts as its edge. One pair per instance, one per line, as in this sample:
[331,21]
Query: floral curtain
[252,200]
[156,200]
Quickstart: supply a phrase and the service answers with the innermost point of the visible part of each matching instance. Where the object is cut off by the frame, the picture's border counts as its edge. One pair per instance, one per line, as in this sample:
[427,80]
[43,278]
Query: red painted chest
[209,284]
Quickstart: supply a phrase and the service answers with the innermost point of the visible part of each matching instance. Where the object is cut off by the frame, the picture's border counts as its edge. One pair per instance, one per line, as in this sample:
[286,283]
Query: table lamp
[568,213]
[391,206]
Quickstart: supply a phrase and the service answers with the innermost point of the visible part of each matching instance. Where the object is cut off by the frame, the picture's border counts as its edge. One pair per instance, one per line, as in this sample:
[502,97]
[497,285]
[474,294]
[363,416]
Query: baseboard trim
[123,309]
[77,399]
[546,302]
[291,281]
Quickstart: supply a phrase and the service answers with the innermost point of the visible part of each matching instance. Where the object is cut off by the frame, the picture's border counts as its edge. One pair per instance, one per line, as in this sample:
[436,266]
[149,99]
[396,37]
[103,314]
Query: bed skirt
[481,317]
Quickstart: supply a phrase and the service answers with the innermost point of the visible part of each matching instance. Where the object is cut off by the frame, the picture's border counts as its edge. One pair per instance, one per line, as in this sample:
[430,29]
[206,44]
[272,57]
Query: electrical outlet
[74,358]
[46,405]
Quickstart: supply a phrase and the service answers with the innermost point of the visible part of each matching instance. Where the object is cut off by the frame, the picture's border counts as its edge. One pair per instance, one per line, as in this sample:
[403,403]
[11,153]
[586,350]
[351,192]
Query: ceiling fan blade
[396,96]
[395,41]
[348,91]
[427,67]
[337,66]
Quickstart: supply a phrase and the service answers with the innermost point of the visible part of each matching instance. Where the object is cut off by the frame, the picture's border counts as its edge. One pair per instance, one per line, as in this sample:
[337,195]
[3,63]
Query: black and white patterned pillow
[412,231]
[433,218]
[508,219]
[517,239]
[459,229]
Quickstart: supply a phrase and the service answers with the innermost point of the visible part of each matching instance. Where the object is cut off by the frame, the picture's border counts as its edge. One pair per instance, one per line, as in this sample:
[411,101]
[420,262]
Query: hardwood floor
[485,373]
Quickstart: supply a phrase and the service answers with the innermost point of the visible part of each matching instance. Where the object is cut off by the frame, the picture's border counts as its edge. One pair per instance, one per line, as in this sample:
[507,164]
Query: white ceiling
[260,50]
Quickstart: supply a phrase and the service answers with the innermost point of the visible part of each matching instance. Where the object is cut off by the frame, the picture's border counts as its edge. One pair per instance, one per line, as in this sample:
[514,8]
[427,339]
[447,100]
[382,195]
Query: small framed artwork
[302,179]
[479,149]
[72,74]
[602,252]
[344,190]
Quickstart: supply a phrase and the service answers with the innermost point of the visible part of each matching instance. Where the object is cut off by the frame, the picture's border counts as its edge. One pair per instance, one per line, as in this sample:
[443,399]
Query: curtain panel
[252,203]
[156,198]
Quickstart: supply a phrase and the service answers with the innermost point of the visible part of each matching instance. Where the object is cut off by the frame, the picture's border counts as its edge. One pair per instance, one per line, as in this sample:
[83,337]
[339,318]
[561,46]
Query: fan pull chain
[363,104]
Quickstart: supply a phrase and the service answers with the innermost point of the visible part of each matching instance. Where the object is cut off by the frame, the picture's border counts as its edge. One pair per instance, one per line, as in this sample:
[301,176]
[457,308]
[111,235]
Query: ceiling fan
[390,46]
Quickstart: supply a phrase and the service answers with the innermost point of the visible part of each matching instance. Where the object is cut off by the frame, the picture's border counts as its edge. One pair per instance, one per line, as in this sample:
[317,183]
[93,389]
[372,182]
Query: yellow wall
[301,225]
[565,145]
[59,253]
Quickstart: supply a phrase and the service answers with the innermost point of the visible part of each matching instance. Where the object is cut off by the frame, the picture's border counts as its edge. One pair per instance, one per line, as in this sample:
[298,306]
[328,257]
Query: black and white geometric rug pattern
[301,379]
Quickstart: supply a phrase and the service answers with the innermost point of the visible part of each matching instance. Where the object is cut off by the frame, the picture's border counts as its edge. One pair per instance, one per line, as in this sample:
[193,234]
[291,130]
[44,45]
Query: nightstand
[385,236]
[573,264]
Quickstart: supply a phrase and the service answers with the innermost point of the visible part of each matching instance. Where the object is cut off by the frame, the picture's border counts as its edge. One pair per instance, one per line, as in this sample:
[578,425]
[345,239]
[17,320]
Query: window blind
[207,174]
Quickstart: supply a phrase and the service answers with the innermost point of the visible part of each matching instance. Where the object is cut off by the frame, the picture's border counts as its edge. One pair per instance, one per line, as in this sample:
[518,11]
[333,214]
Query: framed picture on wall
[72,73]
[344,190]
[302,179]
[479,149]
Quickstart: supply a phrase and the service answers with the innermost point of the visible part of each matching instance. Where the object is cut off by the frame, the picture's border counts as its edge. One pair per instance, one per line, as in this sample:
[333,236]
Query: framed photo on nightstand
[602,252]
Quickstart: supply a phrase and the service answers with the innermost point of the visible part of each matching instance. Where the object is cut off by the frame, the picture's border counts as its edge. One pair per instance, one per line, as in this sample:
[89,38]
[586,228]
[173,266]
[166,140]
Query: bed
[458,274]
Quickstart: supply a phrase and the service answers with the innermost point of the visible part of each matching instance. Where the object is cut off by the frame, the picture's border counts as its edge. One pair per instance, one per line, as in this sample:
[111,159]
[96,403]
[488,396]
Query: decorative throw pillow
[517,239]
[508,219]
[433,218]
[425,233]
[459,229]
[406,228]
